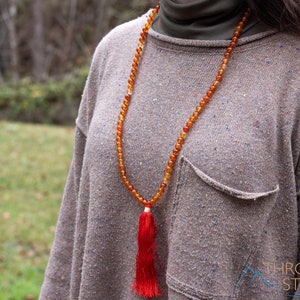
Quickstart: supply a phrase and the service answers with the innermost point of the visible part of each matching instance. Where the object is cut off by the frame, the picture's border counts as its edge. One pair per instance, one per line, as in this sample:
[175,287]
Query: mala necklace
[146,282]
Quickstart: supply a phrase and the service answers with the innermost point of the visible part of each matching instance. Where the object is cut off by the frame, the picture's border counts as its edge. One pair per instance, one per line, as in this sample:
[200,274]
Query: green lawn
[34,162]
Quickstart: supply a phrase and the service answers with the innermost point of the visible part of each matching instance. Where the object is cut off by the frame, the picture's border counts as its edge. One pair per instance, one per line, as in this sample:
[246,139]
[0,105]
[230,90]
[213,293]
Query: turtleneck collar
[204,19]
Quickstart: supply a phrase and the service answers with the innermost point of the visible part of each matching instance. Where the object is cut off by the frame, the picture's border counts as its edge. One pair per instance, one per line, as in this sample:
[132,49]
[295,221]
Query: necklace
[146,283]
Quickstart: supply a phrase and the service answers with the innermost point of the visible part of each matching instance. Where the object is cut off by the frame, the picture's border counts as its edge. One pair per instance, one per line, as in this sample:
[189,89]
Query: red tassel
[146,282]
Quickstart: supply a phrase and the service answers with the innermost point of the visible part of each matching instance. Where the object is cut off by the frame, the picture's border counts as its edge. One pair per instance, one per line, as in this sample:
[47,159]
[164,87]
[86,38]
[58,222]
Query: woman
[227,223]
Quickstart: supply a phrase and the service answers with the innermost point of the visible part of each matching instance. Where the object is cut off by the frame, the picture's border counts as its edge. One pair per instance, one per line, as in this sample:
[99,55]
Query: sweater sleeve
[57,279]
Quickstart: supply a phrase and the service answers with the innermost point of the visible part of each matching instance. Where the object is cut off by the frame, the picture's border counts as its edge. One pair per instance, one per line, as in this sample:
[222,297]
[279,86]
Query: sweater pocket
[215,231]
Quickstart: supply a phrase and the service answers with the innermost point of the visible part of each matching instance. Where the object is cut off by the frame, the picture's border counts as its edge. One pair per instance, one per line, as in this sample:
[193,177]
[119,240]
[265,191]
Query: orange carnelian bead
[202,103]
[131,82]
[186,129]
[229,49]
[130,88]
[168,175]
[159,194]
[130,187]
[199,108]
[221,72]
[178,147]
[183,135]
[173,158]
[213,88]
[209,93]
[127,183]
[175,152]
[193,119]
[216,83]
[169,170]
[223,67]
[180,140]
[227,55]
[225,61]
[206,98]
[171,163]
[156,198]
[161,191]
[196,115]
[162,188]
[234,39]
[164,185]
[219,78]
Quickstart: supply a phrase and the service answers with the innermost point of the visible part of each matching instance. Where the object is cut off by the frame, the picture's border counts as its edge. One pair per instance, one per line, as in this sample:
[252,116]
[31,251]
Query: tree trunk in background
[9,15]
[102,20]
[38,41]
[4,48]
[69,35]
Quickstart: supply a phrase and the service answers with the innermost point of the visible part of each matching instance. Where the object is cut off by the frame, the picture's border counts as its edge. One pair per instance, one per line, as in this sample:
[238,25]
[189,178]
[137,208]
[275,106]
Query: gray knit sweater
[228,223]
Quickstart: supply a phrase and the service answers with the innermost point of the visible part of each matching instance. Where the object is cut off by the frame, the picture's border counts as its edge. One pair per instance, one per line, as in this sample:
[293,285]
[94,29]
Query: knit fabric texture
[228,222]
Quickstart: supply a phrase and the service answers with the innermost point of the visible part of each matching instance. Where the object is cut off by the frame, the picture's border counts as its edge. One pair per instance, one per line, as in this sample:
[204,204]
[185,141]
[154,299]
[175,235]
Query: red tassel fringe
[146,282]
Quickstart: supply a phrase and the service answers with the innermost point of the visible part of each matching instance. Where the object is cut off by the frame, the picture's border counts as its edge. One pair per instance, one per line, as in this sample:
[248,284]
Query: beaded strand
[184,133]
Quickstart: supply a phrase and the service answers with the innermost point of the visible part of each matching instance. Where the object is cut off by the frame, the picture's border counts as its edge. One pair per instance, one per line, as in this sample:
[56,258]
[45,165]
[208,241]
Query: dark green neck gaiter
[204,19]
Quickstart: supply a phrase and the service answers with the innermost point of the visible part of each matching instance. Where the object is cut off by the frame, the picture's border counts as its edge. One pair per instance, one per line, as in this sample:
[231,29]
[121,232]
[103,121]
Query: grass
[34,163]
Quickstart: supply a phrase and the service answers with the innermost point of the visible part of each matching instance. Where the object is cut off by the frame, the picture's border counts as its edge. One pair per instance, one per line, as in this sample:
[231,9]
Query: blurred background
[45,50]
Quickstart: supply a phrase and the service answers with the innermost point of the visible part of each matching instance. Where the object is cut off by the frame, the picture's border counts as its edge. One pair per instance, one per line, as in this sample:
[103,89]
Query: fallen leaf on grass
[52,228]
[6,215]
[39,196]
